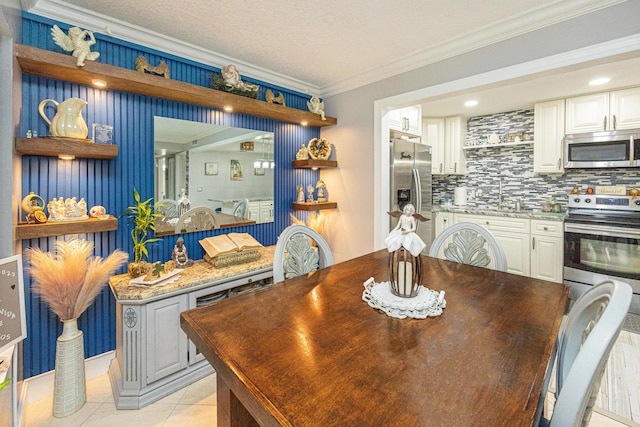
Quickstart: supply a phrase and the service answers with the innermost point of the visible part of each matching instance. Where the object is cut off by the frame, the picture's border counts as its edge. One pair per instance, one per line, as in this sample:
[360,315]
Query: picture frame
[14,326]
[211,168]
[102,134]
[236,170]
[258,171]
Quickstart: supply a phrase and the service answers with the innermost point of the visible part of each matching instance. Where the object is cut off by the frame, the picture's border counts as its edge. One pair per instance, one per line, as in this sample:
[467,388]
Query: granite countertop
[200,273]
[525,213]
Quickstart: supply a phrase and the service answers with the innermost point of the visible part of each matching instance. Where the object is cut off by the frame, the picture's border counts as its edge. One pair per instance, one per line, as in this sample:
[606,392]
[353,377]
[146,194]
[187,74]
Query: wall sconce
[405,273]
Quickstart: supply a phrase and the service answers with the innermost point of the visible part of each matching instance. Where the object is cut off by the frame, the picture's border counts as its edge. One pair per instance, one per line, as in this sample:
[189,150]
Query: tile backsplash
[513,166]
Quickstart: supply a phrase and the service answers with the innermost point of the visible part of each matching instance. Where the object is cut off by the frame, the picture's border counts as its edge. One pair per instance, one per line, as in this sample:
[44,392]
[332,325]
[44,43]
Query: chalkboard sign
[13,326]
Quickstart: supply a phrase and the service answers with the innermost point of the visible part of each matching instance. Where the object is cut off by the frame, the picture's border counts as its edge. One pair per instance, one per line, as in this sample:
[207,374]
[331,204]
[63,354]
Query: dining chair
[294,254]
[585,341]
[168,208]
[466,242]
[240,209]
[196,219]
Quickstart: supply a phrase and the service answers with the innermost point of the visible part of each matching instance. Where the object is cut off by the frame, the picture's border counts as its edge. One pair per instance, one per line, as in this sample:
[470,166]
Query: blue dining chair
[585,341]
[466,243]
[294,254]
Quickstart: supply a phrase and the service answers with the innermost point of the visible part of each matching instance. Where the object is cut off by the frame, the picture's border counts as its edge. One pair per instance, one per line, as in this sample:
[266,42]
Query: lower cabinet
[533,247]
[154,357]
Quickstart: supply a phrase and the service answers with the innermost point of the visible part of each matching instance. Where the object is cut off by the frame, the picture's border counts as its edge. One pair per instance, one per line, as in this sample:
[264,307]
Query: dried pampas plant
[315,221]
[70,280]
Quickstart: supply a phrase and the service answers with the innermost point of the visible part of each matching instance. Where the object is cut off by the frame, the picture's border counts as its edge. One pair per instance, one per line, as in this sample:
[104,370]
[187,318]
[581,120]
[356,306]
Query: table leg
[231,412]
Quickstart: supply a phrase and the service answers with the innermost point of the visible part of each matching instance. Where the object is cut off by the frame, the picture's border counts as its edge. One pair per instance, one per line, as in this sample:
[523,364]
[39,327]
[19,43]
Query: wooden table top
[313,353]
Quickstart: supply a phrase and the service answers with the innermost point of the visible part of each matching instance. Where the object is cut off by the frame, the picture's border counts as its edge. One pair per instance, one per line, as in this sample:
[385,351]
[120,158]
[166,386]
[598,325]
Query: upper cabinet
[604,111]
[548,131]
[407,120]
[446,138]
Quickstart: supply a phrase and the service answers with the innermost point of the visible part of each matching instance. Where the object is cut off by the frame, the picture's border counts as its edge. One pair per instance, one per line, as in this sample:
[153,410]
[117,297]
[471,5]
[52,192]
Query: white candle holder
[405,273]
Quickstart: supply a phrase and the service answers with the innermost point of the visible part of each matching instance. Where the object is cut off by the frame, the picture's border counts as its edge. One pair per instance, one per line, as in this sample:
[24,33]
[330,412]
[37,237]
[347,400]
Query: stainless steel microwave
[611,149]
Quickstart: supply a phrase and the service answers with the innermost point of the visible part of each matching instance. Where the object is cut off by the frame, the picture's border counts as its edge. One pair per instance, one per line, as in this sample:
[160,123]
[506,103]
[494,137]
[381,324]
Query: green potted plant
[142,216]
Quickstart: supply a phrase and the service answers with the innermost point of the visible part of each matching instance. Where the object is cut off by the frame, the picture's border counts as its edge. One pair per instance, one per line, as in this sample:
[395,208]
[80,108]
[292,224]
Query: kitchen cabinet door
[167,345]
[433,135]
[548,131]
[625,109]
[407,120]
[454,136]
[547,250]
[443,220]
[589,113]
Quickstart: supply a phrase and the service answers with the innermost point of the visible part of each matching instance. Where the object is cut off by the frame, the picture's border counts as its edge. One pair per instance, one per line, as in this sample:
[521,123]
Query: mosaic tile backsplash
[513,166]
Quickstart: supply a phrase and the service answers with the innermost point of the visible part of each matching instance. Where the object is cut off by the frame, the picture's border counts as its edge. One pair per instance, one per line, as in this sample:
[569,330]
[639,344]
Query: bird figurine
[76,43]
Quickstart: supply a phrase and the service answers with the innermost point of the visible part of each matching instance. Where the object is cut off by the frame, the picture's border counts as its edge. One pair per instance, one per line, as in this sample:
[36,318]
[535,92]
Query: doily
[428,303]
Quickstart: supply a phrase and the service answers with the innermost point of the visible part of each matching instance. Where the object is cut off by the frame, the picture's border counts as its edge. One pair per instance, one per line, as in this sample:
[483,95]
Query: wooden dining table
[310,352]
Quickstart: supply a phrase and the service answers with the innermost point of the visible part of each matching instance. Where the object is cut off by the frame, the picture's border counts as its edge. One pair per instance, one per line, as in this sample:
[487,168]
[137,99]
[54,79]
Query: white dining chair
[196,219]
[240,209]
[168,208]
[294,254]
[466,243]
[584,343]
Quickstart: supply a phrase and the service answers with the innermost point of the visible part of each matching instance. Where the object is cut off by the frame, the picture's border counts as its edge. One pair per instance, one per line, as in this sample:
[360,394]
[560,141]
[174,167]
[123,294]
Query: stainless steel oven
[602,241]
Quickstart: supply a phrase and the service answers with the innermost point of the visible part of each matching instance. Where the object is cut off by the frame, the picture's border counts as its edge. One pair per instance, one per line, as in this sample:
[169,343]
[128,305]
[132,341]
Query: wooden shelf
[59,66]
[313,206]
[310,163]
[52,146]
[26,231]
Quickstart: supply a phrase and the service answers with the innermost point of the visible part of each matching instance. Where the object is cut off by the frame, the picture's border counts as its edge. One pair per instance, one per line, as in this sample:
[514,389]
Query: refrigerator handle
[416,178]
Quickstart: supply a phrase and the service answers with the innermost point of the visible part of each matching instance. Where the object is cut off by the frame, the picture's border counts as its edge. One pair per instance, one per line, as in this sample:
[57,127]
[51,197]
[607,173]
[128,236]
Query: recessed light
[599,81]
[305,123]
[471,103]
[66,156]
[99,83]
[228,108]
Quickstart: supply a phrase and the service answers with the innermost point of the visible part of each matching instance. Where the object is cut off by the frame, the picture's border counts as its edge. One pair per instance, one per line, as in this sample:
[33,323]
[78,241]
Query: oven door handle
[628,233]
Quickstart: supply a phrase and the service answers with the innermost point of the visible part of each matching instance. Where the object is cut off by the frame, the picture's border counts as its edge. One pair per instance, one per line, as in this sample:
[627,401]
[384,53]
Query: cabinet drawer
[548,228]
[496,223]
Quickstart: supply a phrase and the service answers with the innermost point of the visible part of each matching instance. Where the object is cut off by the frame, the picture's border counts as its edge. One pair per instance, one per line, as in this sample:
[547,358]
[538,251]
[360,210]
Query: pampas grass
[315,221]
[70,280]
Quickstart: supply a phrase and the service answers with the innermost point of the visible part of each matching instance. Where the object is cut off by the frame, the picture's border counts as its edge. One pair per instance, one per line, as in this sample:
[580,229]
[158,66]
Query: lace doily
[428,303]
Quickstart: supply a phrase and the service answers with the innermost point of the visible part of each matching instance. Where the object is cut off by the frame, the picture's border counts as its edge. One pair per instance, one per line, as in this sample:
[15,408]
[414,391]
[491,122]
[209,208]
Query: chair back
[240,209]
[168,208]
[466,243]
[294,254]
[584,344]
[196,219]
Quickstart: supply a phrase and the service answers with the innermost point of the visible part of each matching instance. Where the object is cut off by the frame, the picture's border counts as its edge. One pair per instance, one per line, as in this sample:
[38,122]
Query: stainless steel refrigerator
[411,183]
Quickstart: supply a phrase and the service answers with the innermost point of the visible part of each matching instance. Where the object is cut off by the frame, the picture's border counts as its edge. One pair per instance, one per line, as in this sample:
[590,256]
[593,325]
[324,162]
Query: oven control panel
[601,201]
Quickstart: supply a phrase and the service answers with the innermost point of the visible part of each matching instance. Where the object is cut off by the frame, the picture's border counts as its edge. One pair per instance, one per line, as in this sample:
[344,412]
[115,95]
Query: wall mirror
[211,176]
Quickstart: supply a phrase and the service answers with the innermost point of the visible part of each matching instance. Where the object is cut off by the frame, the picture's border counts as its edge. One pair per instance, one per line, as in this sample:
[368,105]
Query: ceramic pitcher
[68,121]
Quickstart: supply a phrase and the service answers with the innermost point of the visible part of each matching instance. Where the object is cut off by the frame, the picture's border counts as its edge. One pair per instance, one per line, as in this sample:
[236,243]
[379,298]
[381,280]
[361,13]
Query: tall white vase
[69,390]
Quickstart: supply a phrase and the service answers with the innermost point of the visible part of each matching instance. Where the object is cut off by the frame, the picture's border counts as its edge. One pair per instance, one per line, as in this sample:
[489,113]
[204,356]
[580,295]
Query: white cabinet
[253,211]
[266,211]
[443,220]
[407,120]
[511,233]
[547,250]
[165,340]
[446,138]
[548,129]
[604,111]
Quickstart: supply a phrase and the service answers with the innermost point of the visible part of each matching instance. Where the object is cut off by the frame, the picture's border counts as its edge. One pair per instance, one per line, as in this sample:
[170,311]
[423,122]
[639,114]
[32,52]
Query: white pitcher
[68,121]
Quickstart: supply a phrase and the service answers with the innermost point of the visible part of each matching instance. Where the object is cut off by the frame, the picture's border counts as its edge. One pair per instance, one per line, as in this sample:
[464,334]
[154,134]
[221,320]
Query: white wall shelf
[506,144]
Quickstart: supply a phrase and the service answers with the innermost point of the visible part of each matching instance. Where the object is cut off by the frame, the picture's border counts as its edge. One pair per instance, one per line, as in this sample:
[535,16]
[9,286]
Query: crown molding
[98,23]
[499,31]
[533,20]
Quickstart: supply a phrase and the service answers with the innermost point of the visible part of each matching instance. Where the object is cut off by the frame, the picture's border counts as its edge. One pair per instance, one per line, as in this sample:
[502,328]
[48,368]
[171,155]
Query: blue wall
[110,182]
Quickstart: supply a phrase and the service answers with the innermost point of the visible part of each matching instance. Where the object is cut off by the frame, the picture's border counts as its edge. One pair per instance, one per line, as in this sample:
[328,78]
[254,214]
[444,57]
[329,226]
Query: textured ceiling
[318,42]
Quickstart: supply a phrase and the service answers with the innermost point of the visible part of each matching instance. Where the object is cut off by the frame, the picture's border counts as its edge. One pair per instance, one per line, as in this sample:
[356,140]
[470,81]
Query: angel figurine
[76,42]
[404,234]
[315,106]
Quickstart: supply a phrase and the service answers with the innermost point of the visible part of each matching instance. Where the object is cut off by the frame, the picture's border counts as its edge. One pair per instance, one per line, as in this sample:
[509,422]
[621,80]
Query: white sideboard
[154,358]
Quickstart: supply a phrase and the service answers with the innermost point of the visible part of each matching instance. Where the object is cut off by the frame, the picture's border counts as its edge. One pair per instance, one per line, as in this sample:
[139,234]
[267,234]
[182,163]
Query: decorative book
[230,249]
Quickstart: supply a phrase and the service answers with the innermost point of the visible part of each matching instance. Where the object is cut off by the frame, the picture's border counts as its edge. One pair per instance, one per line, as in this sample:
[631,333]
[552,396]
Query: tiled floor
[195,405]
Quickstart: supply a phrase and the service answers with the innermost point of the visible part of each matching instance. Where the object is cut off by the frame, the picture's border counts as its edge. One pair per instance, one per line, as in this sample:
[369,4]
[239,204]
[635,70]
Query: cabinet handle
[614,122]
[487,222]
[533,240]
[444,220]
[440,167]
[455,167]
[559,162]
[545,228]
[604,124]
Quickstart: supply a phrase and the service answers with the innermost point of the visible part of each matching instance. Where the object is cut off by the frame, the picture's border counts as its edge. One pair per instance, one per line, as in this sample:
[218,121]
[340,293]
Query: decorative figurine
[33,208]
[179,254]
[310,193]
[404,234]
[315,106]
[29,133]
[184,204]
[232,79]
[319,149]
[272,99]
[162,69]
[69,209]
[303,153]
[76,43]
[97,212]
[321,194]
[300,194]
